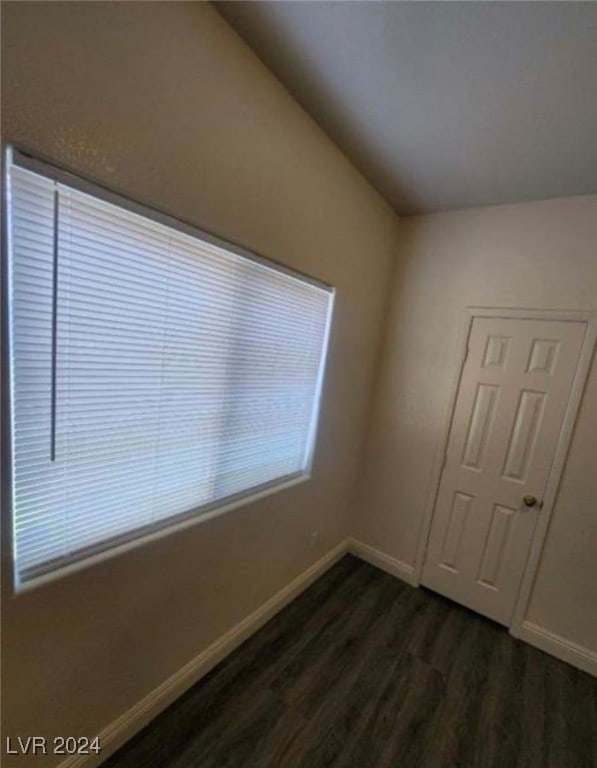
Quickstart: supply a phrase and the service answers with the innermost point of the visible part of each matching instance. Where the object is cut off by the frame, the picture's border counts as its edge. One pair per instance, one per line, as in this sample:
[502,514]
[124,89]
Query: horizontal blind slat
[185,374]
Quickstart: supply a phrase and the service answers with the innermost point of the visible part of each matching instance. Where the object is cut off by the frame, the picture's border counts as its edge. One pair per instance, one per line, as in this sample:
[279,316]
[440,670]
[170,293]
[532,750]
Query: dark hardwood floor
[363,671]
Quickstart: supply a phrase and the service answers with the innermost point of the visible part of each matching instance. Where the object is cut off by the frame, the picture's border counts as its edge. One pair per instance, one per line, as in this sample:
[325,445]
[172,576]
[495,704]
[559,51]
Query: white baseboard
[559,647]
[128,724]
[381,560]
[124,727]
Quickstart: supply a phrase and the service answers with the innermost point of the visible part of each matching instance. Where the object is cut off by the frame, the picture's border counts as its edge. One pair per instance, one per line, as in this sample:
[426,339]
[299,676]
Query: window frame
[12,155]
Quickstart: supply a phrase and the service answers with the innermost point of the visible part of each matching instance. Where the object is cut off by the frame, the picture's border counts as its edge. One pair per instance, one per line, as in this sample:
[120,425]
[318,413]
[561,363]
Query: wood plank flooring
[363,671]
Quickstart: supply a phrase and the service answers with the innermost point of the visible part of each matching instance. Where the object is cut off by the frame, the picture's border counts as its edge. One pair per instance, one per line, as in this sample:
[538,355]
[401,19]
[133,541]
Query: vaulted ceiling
[443,105]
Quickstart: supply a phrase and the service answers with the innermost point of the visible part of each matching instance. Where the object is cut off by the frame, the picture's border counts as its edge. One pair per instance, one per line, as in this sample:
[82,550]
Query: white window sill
[79,565]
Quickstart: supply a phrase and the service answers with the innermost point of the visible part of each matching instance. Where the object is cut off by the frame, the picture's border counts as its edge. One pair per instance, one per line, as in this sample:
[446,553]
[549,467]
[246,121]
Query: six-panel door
[509,409]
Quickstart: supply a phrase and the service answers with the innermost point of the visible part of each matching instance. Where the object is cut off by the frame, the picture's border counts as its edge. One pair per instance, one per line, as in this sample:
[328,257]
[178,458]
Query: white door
[509,409]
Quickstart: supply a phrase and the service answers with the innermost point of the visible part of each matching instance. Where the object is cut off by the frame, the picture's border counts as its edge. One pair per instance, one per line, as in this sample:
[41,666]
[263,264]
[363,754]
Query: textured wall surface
[163,102]
[534,255]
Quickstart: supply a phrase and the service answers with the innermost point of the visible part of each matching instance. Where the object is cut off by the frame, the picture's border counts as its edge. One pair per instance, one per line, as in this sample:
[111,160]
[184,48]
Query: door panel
[509,409]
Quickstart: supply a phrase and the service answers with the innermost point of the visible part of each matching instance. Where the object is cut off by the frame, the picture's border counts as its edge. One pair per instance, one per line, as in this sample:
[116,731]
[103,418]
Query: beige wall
[533,255]
[165,103]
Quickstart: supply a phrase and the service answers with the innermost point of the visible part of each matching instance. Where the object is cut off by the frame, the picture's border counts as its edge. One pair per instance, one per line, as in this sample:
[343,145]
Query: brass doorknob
[529,501]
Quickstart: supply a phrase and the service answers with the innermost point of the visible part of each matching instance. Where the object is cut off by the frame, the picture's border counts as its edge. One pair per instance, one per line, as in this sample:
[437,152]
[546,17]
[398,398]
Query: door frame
[589,317]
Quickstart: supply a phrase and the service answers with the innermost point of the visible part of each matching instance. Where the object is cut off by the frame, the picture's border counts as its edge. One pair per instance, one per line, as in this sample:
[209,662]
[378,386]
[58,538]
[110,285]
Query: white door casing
[510,405]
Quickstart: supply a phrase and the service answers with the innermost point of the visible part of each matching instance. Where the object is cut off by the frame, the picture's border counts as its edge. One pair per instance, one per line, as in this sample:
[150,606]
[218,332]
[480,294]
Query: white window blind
[153,373]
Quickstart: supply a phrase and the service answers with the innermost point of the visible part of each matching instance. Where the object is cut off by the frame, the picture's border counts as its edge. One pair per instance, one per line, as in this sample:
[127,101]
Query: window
[156,374]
